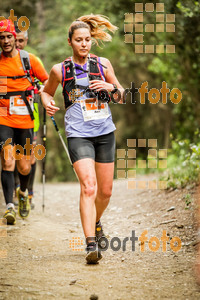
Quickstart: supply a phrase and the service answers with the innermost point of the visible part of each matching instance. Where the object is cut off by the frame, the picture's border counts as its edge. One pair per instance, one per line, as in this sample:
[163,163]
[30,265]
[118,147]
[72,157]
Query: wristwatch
[115,88]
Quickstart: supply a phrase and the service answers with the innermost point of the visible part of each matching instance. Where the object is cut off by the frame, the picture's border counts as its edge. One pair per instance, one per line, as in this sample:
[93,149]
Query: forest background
[175,126]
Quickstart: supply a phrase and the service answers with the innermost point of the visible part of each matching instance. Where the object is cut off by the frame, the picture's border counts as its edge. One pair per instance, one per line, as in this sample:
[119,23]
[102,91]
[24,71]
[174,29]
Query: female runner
[88,122]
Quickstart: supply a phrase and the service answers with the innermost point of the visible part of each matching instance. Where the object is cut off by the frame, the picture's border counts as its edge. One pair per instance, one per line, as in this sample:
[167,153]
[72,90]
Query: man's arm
[38,69]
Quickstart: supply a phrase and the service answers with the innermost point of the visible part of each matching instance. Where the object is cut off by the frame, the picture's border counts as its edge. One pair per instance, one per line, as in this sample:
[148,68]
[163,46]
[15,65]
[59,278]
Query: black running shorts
[101,148]
[18,136]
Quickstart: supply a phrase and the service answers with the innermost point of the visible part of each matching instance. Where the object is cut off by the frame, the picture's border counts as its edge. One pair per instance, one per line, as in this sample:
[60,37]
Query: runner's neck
[79,60]
[11,54]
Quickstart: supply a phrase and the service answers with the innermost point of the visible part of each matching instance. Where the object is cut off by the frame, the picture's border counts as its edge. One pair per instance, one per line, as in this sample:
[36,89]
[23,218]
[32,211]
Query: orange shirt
[12,66]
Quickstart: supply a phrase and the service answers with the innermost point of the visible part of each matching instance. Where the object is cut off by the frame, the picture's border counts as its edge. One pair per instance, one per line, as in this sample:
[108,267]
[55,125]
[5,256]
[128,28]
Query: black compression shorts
[18,136]
[101,148]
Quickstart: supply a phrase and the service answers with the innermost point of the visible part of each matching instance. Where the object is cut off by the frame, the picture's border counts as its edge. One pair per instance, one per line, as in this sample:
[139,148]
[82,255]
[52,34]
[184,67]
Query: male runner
[20,43]
[16,124]
[21,39]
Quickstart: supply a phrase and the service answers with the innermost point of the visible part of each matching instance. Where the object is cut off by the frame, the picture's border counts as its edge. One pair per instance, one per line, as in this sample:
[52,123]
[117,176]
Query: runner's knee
[88,189]
[24,170]
[105,193]
[8,164]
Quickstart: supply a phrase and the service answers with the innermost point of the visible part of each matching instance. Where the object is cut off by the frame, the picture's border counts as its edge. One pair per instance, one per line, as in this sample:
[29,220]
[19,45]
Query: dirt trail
[41,265]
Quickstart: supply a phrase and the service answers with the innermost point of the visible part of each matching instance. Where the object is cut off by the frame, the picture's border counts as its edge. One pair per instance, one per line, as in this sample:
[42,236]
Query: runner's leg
[85,169]
[104,174]
[16,177]
[104,166]
[7,162]
[24,168]
[7,174]
[24,138]
[32,173]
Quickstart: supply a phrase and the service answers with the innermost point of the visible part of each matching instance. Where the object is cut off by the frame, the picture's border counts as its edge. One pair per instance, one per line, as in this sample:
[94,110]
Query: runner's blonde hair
[97,24]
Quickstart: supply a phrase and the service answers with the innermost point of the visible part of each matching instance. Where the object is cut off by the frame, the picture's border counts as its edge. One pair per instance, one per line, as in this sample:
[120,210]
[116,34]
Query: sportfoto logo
[23,23]
[116,244]
[154,95]
[17,151]
[127,163]
[137,23]
[3,234]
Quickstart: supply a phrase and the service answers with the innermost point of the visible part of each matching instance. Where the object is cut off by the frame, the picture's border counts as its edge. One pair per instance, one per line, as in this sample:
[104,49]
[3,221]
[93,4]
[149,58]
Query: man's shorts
[101,148]
[18,136]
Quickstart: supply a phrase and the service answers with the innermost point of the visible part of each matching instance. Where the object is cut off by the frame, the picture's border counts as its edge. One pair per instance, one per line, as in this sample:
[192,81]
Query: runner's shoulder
[106,65]
[105,61]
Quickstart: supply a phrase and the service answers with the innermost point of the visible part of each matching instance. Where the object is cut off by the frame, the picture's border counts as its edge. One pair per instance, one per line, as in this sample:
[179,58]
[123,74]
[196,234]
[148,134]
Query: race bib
[18,107]
[92,109]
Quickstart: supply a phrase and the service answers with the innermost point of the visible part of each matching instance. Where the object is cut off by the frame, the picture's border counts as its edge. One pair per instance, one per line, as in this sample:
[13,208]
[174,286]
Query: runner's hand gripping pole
[63,143]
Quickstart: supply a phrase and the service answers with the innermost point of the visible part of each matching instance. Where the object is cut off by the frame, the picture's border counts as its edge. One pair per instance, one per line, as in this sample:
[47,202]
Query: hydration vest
[69,80]
[25,60]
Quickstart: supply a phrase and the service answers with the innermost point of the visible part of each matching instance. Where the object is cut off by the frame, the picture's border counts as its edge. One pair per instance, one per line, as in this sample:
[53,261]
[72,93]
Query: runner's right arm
[55,77]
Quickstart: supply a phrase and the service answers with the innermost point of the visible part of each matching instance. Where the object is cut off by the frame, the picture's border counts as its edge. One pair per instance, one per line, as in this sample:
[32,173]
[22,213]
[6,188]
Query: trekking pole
[44,159]
[63,143]
[44,137]
[61,138]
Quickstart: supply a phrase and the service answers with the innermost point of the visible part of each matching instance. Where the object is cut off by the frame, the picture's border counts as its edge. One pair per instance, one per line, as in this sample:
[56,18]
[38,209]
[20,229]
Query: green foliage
[190,11]
[183,163]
